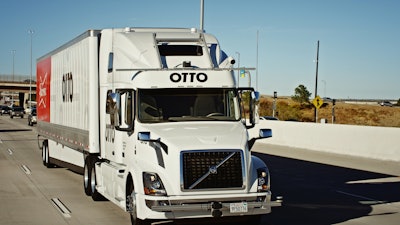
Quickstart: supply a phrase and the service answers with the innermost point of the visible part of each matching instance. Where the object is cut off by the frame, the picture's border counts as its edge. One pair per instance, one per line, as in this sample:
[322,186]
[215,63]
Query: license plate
[240,207]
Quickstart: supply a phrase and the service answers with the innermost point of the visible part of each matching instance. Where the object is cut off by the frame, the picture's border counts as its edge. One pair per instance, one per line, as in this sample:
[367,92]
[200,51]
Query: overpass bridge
[17,90]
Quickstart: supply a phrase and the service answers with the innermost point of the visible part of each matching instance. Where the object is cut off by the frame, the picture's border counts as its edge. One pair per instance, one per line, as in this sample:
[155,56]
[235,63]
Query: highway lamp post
[201,16]
[12,93]
[257,64]
[30,32]
[238,68]
[249,77]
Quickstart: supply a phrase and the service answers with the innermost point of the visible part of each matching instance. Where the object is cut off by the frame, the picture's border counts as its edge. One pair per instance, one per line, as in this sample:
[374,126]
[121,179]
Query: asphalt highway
[316,188]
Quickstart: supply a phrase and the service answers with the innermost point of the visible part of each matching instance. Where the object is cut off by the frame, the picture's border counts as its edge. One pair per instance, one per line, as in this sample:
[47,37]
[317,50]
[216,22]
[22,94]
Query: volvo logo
[213,170]
[188,77]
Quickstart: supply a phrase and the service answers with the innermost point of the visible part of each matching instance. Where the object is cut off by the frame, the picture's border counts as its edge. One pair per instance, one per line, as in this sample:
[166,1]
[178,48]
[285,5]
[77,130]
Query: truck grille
[212,170]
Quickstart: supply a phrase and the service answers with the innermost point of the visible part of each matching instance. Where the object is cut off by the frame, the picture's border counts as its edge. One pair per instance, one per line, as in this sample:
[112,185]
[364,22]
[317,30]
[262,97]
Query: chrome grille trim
[205,170]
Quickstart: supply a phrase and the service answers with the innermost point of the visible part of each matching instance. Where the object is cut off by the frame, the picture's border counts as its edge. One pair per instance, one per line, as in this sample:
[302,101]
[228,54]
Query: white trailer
[154,121]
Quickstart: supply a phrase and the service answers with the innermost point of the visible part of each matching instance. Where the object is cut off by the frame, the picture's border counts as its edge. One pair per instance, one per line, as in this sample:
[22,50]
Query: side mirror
[249,101]
[255,98]
[120,106]
[144,136]
[113,108]
[265,133]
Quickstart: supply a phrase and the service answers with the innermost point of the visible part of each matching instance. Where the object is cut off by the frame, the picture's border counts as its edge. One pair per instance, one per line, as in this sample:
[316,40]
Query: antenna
[201,15]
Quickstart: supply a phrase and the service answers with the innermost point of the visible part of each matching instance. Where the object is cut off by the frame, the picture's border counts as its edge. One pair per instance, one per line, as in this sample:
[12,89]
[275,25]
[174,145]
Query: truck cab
[175,134]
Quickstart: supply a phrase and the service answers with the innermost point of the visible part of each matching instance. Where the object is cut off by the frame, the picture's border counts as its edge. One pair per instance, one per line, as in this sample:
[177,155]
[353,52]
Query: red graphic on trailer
[43,73]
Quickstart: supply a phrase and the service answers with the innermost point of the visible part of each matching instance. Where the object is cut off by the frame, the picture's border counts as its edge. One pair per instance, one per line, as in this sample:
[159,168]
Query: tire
[45,155]
[96,196]
[86,176]
[131,205]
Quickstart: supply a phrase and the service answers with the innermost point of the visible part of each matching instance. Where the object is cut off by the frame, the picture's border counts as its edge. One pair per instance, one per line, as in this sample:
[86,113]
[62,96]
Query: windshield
[163,105]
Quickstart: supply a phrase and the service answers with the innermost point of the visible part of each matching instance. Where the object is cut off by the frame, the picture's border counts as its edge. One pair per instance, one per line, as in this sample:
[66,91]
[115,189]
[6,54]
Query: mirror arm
[251,142]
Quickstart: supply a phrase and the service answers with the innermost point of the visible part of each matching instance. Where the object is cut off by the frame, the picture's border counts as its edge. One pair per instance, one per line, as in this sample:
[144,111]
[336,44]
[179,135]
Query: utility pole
[316,83]
[274,104]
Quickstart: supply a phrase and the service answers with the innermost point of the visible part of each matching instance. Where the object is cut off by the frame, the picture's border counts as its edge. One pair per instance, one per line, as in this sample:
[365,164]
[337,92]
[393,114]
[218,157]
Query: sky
[359,50]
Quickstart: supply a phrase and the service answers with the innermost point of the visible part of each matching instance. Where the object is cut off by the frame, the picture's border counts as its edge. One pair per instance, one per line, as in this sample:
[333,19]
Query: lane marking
[362,197]
[26,169]
[10,151]
[61,207]
[376,181]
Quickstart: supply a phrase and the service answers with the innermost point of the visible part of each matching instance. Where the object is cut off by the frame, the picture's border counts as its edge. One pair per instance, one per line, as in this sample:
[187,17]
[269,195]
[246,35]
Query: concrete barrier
[381,143]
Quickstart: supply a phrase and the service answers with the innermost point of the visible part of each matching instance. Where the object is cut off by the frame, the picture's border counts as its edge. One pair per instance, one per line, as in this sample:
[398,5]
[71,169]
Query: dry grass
[354,114]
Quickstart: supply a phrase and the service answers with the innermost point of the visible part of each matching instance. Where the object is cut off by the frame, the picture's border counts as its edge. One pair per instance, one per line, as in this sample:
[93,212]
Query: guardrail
[362,141]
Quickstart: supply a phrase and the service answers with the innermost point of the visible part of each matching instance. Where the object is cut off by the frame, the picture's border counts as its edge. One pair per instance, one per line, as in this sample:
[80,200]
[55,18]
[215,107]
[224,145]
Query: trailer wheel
[45,155]
[131,205]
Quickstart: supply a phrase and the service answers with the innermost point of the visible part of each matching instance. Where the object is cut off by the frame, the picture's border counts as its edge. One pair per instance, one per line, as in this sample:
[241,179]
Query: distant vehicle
[32,117]
[28,110]
[4,110]
[17,111]
[386,103]
[268,118]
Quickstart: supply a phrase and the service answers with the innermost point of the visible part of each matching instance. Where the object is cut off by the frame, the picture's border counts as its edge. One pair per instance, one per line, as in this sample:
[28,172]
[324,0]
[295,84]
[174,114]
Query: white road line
[390,179]
[362,197]
[10,151]
[61,207]
[26,169]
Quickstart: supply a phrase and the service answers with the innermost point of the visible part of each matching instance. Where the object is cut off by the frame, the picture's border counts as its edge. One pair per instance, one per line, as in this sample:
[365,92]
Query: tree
[301,95]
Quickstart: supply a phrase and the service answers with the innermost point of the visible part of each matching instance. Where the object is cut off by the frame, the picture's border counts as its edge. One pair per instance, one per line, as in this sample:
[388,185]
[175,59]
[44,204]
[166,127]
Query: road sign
[317,102]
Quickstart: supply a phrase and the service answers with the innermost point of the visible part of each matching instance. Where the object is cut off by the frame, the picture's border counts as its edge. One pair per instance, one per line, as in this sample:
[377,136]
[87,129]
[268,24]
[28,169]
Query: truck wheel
[131,205]
[87,171]
[96,196]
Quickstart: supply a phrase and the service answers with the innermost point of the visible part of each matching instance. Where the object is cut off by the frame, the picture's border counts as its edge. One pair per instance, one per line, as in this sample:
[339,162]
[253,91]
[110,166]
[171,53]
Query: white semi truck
[154,121]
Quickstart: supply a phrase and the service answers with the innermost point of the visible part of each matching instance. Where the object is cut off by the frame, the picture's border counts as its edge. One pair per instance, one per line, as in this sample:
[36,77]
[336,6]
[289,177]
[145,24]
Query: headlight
[263,179]
[153,184]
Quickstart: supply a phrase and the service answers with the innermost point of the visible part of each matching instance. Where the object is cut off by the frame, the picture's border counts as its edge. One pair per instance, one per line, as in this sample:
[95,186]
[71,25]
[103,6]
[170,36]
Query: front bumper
[175,208]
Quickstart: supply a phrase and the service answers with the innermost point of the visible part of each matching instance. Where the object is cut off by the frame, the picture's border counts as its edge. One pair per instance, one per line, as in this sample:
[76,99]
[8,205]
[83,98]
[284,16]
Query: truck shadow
[319,194]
